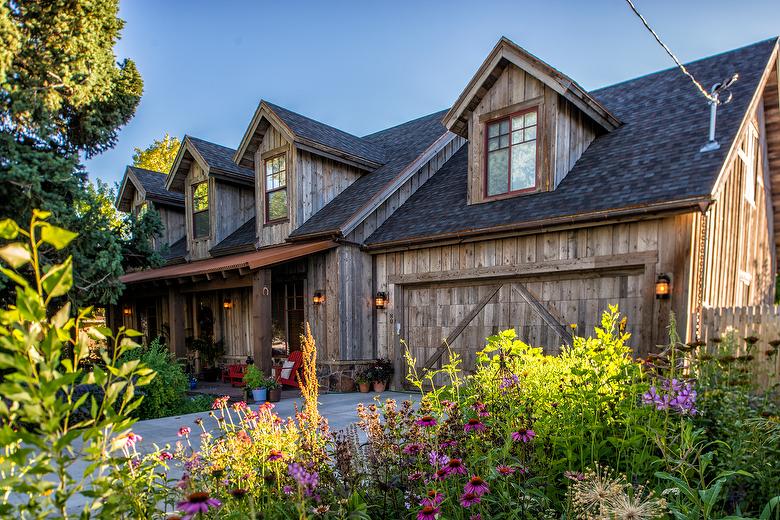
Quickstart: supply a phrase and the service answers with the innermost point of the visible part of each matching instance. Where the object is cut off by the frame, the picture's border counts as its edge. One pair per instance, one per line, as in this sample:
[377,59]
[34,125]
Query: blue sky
[366,65]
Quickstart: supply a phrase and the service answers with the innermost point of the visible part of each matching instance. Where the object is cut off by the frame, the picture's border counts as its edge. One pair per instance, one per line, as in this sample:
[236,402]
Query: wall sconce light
[663,287]
[318,298]
[380,302]
[227,303]
[127,310]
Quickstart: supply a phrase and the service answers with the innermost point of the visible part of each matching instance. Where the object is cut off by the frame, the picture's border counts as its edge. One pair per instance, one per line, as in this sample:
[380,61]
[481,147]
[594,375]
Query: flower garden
[591,433]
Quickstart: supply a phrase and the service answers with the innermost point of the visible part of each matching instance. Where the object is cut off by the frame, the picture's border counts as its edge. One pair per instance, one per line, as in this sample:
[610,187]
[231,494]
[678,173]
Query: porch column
[261,320]
[176,310]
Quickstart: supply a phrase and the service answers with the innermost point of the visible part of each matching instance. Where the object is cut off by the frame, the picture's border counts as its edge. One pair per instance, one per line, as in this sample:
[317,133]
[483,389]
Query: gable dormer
[300,165]
[142,189]
[218,194]
[527,124]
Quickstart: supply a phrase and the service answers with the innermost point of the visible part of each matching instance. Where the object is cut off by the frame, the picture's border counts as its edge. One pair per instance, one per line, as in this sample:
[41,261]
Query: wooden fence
[762,322]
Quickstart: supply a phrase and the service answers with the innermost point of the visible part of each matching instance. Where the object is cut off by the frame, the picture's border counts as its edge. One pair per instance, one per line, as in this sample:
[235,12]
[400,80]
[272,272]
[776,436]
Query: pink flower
[481,409]
[434,498]
[524,435]
[474,425]
[184,431]
[455,467]
[469,499]
[166,455]
[426,421]
[476,485]
[199,502]
[413,448]
[131,439]
[441,474]
[428,513]
[415,475]
[275,455]
[478,516]
[576,476]
[241,405]
[505,470]
[220,402]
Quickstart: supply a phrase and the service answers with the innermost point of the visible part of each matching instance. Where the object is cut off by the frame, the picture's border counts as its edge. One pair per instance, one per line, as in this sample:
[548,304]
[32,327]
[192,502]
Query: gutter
[698,203]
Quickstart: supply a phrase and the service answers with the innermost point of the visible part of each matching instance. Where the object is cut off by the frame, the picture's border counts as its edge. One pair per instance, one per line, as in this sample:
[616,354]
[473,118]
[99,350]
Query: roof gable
[149,184]
[308,134]
[507,52]
[214,159]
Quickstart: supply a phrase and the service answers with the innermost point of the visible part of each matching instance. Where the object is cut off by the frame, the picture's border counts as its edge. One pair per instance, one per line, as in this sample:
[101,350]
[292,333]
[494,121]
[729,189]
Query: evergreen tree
[63,97]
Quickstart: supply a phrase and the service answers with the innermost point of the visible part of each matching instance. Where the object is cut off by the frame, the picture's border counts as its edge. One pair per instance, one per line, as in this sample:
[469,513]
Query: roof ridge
[372,134]
[146,170]
[208,142]
[275,106]
[687,63]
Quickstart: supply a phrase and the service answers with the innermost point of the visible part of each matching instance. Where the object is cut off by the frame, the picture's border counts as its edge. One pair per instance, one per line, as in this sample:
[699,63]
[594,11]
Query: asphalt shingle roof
[329,136]
[177,251]
[653,157]
[220,157]
[241,238]
[401,144]
[154,184]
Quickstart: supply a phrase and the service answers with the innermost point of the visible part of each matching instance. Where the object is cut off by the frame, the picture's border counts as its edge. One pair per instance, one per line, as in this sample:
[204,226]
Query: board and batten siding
[575,273]
[312,182]
[173,225]
[231,207]
[563,131]
[739,262]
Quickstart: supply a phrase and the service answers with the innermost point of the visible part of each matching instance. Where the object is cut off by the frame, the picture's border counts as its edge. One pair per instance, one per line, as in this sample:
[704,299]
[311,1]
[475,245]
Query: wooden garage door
[539,310]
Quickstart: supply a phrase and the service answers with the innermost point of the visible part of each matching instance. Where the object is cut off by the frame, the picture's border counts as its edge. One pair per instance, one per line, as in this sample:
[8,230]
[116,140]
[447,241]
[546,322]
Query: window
[200,210]
[511,154]
[276,188]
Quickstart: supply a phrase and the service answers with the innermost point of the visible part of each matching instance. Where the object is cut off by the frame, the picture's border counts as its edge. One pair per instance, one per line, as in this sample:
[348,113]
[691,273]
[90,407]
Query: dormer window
[200,210]
[276,188]
[511,154]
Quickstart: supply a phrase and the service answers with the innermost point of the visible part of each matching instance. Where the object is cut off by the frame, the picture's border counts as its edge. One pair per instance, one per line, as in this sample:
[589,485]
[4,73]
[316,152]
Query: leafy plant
[254,379]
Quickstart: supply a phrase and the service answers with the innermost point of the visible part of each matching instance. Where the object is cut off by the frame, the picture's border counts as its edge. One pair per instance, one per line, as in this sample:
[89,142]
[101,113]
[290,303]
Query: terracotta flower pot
[379,386]
[364,387]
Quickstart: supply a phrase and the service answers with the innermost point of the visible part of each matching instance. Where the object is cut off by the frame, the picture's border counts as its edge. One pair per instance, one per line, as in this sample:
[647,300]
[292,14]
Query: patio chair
[290,369]
[235,375]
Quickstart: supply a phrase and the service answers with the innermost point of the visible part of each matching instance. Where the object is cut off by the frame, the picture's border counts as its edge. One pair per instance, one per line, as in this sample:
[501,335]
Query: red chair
[235,375]
[296,358]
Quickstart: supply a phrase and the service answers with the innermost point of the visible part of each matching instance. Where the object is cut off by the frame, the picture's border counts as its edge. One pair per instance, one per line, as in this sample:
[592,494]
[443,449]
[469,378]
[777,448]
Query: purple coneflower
[505,470]
[448,444]
[415,475]
[434,498]
[199,502]
[239,493]
[474,425]
[274,455]
[478,516]
[441,474]
[469,499]
[524,435]
[476,485]
[184,431]
[412,449]
[455,467]
[428,513]
[426,421]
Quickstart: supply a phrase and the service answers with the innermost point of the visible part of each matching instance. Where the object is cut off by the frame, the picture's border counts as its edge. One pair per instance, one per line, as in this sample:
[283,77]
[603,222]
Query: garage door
[539,310]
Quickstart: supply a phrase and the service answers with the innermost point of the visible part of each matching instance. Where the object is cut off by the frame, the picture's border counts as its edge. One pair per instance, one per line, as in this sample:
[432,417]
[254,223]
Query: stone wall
[339,376]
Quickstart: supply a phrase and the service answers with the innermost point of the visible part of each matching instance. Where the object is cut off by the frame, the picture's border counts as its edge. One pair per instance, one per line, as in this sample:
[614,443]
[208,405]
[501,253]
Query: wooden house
[530,203]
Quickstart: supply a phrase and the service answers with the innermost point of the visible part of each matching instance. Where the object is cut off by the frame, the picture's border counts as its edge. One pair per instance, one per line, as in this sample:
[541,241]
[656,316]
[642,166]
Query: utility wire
[710,97]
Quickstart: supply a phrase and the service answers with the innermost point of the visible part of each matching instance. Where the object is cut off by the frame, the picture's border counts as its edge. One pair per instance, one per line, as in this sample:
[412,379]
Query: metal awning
[250,261]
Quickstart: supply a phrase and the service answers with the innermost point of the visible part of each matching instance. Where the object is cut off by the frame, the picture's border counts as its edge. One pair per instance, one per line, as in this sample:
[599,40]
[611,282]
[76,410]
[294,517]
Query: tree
[159,155]
[64,96]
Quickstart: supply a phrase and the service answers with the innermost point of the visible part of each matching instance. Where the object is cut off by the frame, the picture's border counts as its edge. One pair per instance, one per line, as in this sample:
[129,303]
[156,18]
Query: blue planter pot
[259,394]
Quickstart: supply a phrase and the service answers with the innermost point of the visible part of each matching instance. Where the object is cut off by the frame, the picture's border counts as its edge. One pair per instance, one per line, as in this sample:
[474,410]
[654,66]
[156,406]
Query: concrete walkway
[339,409]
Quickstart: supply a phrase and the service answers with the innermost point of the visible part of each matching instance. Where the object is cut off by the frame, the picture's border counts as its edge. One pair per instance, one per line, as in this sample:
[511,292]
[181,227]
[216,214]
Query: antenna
[718,89]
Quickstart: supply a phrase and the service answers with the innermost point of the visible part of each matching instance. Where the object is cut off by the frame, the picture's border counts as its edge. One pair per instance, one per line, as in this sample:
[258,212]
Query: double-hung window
[200,210]
[510,160]
[276,188]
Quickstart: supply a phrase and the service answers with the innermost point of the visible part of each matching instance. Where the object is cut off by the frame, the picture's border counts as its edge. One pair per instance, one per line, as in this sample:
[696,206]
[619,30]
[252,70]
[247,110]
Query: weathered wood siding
[232,206]
[173,225]
[574,273]
[563,131]
[739,264]
[232,326]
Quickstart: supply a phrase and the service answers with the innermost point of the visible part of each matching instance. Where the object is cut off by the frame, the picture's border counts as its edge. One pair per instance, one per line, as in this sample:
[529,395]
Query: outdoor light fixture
[380,302]
[318,298]
[227,304]
[127,310]
[663,287]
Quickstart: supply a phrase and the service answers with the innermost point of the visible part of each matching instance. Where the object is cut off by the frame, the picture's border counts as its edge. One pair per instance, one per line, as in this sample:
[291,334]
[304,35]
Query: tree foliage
[63,96]
[159,155]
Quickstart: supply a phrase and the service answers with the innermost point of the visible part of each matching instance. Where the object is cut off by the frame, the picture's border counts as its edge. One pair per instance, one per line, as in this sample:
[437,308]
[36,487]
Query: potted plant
[208,352]
[274,390]
[255,381]
[381,372]
[363,380]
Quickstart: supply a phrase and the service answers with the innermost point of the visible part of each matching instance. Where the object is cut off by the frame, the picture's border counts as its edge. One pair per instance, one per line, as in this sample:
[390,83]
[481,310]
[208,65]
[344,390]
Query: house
[530,203]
